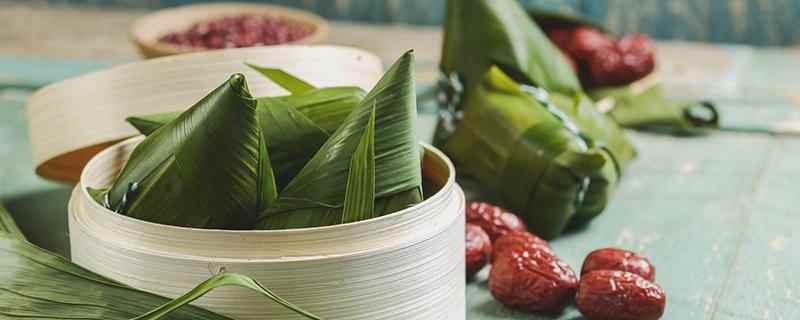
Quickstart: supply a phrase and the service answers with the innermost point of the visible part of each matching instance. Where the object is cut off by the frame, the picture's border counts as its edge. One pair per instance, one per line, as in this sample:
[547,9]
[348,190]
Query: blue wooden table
[716,213]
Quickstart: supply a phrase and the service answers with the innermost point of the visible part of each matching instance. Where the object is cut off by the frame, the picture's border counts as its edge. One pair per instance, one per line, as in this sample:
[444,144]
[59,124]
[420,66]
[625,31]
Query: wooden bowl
[146,32]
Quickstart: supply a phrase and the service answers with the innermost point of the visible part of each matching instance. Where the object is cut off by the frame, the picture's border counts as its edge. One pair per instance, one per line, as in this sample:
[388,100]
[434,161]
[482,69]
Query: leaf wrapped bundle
[213,154]
[36,284]
[528,133]
[312,158]
[384,119]
[294,126]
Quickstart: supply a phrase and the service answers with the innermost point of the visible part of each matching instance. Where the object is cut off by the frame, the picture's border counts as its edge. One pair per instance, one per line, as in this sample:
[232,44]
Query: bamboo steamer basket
[70,121]
[405,265]
[147,30]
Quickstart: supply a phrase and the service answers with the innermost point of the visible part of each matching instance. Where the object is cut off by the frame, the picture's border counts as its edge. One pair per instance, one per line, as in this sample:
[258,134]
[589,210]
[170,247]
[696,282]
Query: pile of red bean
[601,60]
[239,31]
[527,275]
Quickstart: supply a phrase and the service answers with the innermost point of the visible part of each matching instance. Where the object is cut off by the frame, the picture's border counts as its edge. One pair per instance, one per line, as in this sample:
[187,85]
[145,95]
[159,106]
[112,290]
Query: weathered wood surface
[716,213]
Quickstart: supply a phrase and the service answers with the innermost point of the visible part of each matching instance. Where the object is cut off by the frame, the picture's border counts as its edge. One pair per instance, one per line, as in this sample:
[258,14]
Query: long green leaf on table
[482,33]
[214,153]
[648,108]
[7,224]
[35,284]
[315,196]
[513,145]
[359,199]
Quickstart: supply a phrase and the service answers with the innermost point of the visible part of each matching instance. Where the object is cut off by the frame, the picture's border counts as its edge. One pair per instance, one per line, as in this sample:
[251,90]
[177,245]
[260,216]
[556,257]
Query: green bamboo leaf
[327,107]
[211,153]
[359,199]
[315,196]
[148,124]
[649,109]
[35,284]
[482,33]
[8,226]
[217,281]
[283,79]
[292,138]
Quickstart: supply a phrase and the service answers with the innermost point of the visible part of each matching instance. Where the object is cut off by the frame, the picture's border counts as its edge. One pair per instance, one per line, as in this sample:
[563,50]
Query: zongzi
[314,157]
[519,122]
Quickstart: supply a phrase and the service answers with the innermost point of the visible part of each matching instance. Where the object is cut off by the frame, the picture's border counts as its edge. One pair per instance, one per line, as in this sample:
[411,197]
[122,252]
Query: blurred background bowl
[147,31]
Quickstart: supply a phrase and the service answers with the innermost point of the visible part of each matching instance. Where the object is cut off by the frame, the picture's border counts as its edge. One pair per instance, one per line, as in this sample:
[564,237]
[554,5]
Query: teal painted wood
[716,213]
[757,22]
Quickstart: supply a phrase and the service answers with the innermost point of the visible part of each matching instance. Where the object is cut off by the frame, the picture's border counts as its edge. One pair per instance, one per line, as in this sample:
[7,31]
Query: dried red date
[478,247]
[518,239]
[239,31]
[631,59]
[494,220]
[618,259]
[586,41]
[533,280]
[619,295]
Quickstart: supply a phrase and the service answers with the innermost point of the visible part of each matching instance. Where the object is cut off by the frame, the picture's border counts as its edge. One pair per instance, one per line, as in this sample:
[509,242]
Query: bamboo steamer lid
[71,121]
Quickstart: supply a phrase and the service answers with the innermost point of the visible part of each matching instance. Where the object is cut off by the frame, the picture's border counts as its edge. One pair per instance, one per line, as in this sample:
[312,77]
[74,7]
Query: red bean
[239,31]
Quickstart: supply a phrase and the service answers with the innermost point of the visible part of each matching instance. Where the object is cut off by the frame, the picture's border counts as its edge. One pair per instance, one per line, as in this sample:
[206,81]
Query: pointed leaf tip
[283,79]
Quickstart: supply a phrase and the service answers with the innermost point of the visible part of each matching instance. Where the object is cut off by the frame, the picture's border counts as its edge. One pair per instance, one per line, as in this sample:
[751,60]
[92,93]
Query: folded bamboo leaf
[482,33]
[649,109]
[315,196]
[359,198]
[214,153]
[284,79]
[609,137]
[524,154]
[8,226]
[293,126]
[327,107]
[292,138]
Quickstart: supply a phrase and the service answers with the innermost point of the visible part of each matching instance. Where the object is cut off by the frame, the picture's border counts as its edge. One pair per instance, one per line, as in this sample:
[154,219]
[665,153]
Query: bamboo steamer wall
[407,265]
